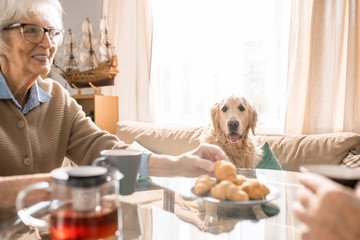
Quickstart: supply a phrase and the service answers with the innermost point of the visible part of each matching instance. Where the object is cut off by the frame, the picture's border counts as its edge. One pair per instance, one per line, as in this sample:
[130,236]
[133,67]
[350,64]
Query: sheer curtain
[205,50]
[324,67]
[131,23]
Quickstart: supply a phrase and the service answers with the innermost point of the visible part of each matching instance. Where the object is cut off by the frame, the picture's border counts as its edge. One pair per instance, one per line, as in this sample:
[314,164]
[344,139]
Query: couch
[291,151]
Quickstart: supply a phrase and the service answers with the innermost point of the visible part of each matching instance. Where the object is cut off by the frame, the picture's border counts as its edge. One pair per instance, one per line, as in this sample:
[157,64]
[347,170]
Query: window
[205,50]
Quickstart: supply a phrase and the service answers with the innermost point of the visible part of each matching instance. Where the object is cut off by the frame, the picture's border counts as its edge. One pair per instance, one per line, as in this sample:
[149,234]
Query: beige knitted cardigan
[38,141]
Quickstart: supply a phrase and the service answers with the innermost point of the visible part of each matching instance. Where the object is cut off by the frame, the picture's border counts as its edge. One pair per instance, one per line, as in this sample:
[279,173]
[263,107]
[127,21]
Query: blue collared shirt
[38,95]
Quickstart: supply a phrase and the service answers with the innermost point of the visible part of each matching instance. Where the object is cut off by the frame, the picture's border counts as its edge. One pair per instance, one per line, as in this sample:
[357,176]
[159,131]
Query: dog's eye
[224,109]
[241,108]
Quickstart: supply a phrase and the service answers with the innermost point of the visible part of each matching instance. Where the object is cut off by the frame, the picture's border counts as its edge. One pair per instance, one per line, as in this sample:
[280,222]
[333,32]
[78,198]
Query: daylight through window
[205,50]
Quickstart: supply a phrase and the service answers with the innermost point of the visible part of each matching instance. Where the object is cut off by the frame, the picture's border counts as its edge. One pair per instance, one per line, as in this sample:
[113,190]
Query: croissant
[220,190]
[227,190]
[203,184]
[224,170]
[229,185]
[234,193]
[254,189]
[240,179]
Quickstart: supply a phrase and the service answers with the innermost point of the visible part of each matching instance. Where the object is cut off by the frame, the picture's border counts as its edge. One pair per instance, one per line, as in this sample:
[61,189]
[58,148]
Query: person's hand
[200,160]
[330,210]
[191,164]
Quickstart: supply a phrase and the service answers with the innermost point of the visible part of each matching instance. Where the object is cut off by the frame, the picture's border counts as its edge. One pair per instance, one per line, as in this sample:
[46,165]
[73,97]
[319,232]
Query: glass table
[166,208]
[271,220]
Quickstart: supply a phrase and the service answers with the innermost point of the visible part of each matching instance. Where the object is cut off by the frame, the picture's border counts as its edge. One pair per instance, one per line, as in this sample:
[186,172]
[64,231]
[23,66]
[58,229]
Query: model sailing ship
[98,63]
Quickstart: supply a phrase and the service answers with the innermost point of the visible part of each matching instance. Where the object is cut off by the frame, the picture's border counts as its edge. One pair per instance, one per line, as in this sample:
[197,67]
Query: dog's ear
[253,118]
[214,112]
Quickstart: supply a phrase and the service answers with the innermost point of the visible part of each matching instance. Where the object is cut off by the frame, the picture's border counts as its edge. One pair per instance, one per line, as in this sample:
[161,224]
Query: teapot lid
[85,176]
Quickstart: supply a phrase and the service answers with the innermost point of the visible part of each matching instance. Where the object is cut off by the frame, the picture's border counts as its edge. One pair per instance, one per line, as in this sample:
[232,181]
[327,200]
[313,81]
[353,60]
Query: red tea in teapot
[68,224]
[83,203]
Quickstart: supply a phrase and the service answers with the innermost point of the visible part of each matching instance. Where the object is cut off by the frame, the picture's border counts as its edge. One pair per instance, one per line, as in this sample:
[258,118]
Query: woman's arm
[11,186]
[191,164]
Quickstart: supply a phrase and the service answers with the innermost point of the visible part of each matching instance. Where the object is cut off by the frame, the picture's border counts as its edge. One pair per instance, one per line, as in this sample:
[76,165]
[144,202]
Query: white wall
[75,12]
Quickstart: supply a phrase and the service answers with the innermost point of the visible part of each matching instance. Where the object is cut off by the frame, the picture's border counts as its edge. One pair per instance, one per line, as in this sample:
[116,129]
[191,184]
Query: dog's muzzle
[234,137]
[233,126]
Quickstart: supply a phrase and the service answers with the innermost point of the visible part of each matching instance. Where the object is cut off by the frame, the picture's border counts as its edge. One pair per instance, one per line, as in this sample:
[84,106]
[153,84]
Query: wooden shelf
[105,109]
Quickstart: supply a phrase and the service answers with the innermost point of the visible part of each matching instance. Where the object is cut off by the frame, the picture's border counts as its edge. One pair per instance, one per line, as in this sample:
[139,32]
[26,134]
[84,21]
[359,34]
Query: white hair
[11,11]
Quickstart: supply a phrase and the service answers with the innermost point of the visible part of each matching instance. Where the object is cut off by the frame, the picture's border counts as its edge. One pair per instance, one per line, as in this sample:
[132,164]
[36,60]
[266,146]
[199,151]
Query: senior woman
[40,123]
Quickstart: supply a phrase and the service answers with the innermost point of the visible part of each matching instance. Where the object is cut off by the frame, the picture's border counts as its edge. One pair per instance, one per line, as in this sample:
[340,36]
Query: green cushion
[268,160]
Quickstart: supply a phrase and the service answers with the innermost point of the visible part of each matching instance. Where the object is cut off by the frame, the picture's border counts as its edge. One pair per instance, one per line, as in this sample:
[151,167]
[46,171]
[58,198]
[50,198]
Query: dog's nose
[233,125]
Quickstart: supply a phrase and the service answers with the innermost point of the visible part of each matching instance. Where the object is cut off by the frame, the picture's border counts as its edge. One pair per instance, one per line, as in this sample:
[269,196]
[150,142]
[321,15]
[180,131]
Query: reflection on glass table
[187,216]
[201,219]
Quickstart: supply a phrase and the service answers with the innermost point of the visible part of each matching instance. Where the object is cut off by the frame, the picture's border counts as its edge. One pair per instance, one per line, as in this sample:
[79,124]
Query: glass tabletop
[166,208]
[269,220]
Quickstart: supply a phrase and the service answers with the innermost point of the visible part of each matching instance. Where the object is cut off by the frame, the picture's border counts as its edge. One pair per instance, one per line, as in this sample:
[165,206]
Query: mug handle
[98,160]
[23,213]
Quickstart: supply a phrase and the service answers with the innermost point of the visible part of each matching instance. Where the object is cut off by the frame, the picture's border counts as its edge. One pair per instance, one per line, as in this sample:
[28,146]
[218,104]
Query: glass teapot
[83,203]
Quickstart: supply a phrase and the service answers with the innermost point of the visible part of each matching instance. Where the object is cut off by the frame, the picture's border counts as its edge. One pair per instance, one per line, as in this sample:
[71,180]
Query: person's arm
[191,164]
[330,210]
[11,186]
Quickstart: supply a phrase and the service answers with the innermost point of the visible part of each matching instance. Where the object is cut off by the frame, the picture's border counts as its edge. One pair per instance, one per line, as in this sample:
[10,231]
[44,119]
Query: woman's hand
[330,210]
[191,164]
[199,161]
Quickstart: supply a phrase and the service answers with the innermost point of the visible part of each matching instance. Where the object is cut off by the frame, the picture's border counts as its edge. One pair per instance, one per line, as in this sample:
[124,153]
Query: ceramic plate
[274,194]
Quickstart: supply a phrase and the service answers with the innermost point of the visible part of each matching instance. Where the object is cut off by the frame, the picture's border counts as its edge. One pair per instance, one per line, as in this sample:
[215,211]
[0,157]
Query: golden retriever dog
[232,119]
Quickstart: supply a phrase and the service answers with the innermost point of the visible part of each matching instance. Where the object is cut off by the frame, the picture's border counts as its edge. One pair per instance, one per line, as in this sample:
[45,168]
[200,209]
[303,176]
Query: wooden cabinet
[105,110]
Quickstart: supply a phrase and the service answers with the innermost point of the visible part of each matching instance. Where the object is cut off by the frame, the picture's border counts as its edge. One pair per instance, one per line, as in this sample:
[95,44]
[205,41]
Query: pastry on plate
[254,189]
[229,185]
[224,170]
[203,185]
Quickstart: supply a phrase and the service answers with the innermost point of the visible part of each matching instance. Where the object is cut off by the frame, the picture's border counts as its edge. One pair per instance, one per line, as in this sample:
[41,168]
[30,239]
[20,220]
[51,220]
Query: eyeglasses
[35,34]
